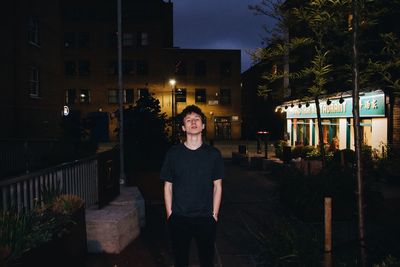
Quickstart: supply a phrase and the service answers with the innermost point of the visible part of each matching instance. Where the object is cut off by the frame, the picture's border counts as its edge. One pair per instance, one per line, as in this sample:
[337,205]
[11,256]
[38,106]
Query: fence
[85,178]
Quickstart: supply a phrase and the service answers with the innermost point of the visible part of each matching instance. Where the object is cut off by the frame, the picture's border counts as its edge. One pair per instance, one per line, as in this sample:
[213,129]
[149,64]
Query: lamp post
[172,82]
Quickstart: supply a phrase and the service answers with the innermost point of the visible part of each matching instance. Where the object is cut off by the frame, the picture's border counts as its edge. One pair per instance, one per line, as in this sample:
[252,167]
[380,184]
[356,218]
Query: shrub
[278,145]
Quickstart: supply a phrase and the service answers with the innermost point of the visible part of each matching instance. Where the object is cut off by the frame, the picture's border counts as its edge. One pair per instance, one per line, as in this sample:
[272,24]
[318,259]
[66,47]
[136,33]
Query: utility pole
[120,97]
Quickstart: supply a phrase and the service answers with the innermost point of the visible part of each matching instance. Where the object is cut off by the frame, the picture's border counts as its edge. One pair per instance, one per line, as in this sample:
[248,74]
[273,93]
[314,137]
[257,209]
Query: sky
[218,24]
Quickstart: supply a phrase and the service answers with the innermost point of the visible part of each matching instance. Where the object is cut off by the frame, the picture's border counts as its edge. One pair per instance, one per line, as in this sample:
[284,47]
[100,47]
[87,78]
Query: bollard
[328,232]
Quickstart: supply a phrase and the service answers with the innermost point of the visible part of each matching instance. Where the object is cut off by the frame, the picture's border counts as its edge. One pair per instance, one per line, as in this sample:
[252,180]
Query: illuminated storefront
[337,121]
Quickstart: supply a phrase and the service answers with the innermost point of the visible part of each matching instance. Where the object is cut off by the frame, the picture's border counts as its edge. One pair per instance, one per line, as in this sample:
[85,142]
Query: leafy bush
[278,145]
[22,232]
[388,166]
[389,261]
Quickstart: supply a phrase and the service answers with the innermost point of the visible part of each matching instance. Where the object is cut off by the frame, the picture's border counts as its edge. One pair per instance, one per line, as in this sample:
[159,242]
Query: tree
[145,134]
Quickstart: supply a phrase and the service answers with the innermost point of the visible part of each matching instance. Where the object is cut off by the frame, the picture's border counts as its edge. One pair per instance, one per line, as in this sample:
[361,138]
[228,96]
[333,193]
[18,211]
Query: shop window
[303,133]
[366,131]
[330,130]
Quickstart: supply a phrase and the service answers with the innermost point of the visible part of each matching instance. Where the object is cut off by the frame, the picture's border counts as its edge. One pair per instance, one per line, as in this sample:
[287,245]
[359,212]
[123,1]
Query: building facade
[31,103]
[337,121]
[208,78]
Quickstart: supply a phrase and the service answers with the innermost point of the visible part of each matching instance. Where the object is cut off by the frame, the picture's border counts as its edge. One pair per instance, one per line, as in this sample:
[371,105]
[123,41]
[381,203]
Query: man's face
[192,124]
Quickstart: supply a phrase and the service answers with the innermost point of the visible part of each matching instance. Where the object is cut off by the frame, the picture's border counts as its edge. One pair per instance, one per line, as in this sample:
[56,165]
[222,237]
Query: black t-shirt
[192,173]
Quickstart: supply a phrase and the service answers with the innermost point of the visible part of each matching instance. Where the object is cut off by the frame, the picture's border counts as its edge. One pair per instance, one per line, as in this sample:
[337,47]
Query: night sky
[218,24]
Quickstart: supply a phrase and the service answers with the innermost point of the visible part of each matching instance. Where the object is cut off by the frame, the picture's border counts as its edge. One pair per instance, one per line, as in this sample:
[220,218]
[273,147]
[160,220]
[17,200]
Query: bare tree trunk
[357,141]
[320,133]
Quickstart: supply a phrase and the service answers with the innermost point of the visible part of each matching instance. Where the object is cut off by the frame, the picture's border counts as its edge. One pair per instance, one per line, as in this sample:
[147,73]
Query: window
[85,96]
[180,95]
[83,40]
[33,31]
[200,95]
[69,40]
[143,39]
[225,68]
[70,68]
[142,67]
[143,92]
[127,67]
[84,68]
[34,82]
[225,96]
[112,40]
[113,95]
[200,68]
[180,67]
[127,39]
[70,96]
[112,68]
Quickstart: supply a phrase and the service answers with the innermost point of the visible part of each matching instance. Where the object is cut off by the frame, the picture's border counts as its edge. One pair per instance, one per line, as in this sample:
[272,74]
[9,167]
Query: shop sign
[371,105]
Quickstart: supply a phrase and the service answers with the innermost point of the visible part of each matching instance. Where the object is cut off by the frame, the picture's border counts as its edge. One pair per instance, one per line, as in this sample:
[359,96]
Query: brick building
[209,78]
[30,102]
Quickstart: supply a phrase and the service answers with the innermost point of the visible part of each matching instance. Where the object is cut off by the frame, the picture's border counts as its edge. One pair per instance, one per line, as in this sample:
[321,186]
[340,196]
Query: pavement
[249,197]
[249,202]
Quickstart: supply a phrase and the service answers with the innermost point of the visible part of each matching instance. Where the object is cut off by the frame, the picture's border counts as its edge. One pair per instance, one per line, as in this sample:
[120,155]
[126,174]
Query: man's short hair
[192,109]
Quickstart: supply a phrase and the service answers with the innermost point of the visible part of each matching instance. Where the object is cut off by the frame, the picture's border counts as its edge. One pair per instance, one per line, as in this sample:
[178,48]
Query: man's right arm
[168,198]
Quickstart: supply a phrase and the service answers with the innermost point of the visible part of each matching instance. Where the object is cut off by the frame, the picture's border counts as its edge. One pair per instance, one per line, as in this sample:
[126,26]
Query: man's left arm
[217,195]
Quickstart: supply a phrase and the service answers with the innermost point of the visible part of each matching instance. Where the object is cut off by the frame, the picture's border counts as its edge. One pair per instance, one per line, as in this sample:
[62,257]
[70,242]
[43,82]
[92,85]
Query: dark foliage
[145,135]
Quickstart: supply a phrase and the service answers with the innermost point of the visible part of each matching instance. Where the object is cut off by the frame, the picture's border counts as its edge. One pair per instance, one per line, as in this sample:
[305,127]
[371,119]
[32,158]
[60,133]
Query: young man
[192,174]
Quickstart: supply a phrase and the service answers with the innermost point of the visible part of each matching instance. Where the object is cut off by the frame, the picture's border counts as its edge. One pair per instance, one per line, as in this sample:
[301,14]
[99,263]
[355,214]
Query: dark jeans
[202,230]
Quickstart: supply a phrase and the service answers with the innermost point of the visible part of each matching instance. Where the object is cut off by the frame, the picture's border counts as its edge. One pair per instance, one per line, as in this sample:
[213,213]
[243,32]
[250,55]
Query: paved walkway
[248,200]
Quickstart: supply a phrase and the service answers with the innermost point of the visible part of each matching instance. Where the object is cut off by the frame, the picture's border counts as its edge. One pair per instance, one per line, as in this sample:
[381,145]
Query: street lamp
[172,82]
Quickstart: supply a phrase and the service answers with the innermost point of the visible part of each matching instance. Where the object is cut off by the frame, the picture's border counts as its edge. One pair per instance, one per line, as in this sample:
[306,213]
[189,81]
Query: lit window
[34,82]
[33,31]
[113,95]
[180,95]
[85,96]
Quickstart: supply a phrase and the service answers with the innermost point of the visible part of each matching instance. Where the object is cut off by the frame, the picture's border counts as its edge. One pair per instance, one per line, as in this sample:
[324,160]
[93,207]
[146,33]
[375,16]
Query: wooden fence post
[328,232]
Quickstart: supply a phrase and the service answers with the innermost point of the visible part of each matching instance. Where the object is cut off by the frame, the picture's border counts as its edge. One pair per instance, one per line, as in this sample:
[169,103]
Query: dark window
[225,96]
[142,67]
[69,40]
[200,95]
[85,96]
[143,92]
[84,68]
[33,31]
[200,68]
[113,95]
[129,96]
[180,95]
[142,39]
[180,67]
[70,96]
[128,67]
[226,68]
[70,68]
[112,68]
[127,39]
[112,40]
[83,40]
[34,82]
